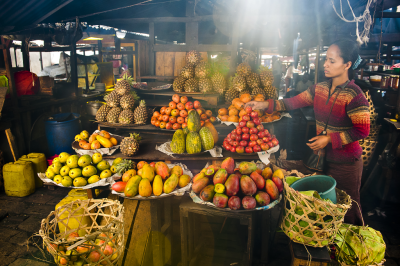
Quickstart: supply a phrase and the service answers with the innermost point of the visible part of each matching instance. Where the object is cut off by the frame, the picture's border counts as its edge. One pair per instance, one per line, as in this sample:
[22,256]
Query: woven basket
[299,209]
[1,168]
[373,133]
[103,242]
[368,147]
[372,110]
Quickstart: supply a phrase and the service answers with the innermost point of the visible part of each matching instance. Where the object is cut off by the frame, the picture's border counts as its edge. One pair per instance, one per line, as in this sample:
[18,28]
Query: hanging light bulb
[120,34]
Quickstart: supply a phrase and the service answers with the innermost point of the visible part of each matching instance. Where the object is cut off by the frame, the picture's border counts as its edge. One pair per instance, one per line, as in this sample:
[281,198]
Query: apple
[172,119]
[259,141]
[168,110]
[260,127]
[253,137]
[253,114]
[176,126]
[156,113]
[250,124]
[264,146]
[265,139]
[168,125]
[256,148]
[245,130]
[248,150]
[233,149]
[270,144]
[257,121]
[180,106]
[253,130]
[165,118]
[248,109]
[242,123]
[243,143]
[275,142]
[184,99]
[240,149]
[235,143]
[252,143]
[176,98]
[189,106]
[184,125]
[246,118]
[175,112]
[162,110]
[197,104]
[199,111]
[159,118]
[239,131]
[172,105]
[261,134]
[213,119]
[245,136]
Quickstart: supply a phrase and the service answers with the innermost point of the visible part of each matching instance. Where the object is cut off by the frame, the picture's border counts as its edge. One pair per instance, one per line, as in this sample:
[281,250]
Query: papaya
[214,168]
[279,173]
[262,198]
[148,172]
[145,188]
[248,203]
[161,170]
[184,180]
[220,176]
[157,185]
[220,200]
[219,188]
[247,168]
[171,184]
[234,203]
[247,185]
[229,165]
[200,184]
[278,182]
[259,171]
[214,132]
[177,170]
[271,189]
[104,141]
[267,173]
[258,179]
[119,186]
[207,193]
[209,172]
[232,185]
[198,176]
[132,187]
[237,172]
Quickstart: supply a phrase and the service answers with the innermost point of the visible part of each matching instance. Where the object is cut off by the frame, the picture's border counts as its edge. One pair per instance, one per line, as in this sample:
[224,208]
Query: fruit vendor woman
[349,120]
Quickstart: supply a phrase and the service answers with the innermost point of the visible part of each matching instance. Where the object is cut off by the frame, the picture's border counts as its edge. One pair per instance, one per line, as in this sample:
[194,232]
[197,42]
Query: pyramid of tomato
[249,136]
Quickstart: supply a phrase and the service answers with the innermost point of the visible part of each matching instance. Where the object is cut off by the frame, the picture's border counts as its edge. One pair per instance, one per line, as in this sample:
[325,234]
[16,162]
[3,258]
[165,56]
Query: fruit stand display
[153,181]
[242,188]
[100,141]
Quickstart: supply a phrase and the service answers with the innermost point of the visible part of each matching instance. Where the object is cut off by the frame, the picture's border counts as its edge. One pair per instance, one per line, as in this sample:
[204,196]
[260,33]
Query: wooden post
[151,49]
[25,54]
[317,64]
[74,68]
[100,47]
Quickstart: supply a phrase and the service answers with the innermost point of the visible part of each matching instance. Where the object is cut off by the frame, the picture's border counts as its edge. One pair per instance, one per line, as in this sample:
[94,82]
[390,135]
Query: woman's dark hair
[349,51]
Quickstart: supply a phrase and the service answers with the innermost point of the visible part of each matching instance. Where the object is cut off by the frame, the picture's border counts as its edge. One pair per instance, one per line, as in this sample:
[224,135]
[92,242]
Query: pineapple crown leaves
[263,69]
[142,103]
[128,78]
[124,166]
[135,136]
[134,94]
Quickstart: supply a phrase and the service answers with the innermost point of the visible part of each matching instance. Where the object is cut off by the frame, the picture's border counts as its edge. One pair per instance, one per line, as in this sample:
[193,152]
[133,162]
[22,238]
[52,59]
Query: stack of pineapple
[246,81]
[120,103]
[197,76]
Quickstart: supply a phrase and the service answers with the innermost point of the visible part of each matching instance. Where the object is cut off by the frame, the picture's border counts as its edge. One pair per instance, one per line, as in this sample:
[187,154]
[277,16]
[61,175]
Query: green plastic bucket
[323,184]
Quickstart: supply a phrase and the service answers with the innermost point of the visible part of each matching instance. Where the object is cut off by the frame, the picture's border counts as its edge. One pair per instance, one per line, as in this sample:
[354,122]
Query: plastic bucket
[323,184]
[60,132]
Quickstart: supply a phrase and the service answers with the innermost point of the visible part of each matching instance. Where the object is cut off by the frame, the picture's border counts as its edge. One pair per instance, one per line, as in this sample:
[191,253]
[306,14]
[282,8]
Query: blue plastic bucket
[323,184]
[60,132]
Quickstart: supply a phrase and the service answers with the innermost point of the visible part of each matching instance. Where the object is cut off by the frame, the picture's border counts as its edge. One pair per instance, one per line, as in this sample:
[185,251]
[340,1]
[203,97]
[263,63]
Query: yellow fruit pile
[151,180]
[95,141]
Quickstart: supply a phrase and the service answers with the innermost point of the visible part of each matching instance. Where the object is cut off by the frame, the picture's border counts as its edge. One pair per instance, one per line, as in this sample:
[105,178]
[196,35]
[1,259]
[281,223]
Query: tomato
[253,137]
[253,130]
[260,127]
[256,148]
[248,109]
[250,124]
[233,149]
[243,143]
[252,143]
[242,123]
[253,115]
[248,150]
[264,146]
[257,121]
[240,149]
[239,131]
[261,134]
[245,130]
[245,136]
[246,118]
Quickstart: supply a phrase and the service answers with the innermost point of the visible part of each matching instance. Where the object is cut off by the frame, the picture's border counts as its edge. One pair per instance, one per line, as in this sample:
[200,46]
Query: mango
[177,170]
[279,173]
[246,168]
[209,172]
[198,176]
[157,185]
[171,184]
[128,175]
[248,203]
[140,171]
[161,169]
[247,185]
[219,188]
[262,198]
[220,176]
[234,203]
[203,170]
[258,179]
[132,187]
[119,186]
[267,173]
[148,172]
[278,182]
[184,180]
[104,141]
[220,200]
[259,171]
[229,165]
[207,193]
[140,164]
[200,184]
[232,185]
[271,189]
[237,172]
[145,188]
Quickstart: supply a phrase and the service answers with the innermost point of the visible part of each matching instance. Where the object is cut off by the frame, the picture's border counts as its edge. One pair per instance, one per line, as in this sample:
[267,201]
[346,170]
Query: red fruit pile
[250,135]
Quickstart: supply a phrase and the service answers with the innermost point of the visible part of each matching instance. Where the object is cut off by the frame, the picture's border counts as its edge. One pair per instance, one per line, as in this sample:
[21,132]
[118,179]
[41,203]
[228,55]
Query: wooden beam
[387,15]
[151,49]
[163,20]
[186,48]
[52,12]
[386,37]
[74,68]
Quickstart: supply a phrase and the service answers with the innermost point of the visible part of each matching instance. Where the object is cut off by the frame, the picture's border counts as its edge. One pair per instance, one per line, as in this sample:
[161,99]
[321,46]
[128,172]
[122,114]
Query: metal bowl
[93,106]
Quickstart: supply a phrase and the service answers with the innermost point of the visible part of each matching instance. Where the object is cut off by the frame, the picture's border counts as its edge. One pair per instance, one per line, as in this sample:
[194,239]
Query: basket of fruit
[247,187]
[153,181]
[99,142]
[99,242]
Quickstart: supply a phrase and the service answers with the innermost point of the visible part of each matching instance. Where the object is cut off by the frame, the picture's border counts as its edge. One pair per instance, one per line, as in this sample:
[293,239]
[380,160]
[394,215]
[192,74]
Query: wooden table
[309,116]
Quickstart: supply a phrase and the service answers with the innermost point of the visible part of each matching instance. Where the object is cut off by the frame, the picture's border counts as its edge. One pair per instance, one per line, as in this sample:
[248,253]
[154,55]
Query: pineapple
[179,84]
[219,83]
[124,166]
[202,70]
[253,80]
[191,85]
[130,146]
[101,114]
[239,83]
[205,85]
[257,91]
[266,76]
[127,101]
[193,57]
[112,116]
[140,113]
[231,94]
[187,72]
[270,92]
[124,85]
[113,99]
[243,69]
[126,117]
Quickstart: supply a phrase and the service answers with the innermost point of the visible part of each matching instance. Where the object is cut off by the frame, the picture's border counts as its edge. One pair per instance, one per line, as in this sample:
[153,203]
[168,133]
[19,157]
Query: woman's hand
[319,142]
[257,105]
